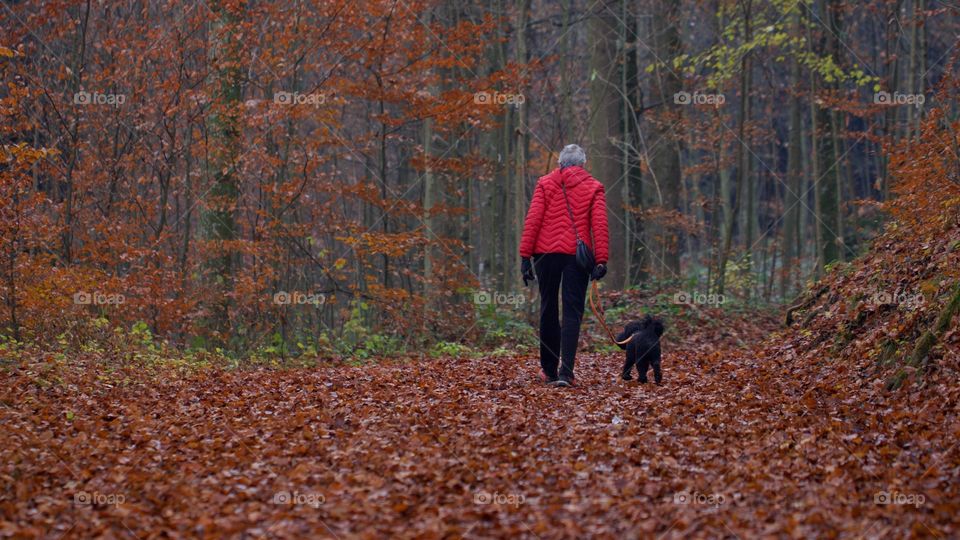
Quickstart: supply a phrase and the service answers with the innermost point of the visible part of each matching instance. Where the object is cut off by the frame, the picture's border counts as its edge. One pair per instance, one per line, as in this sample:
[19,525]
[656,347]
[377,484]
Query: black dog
[643,350]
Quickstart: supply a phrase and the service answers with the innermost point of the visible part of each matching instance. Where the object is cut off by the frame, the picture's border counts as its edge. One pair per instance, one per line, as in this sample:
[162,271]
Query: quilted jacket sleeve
[601,235]
[531,226]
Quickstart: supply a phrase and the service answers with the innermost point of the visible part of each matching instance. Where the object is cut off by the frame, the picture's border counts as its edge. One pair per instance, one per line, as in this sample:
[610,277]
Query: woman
[549,237]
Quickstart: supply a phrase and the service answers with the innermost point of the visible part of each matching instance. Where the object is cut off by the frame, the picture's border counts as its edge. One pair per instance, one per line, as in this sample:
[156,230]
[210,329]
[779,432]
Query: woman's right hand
[526,270]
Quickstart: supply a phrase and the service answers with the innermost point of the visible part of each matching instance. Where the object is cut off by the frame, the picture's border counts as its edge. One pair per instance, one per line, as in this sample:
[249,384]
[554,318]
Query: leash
[599,313]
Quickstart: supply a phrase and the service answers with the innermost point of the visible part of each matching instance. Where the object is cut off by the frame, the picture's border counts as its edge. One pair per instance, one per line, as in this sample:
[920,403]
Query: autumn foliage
[108,187]
[241,249]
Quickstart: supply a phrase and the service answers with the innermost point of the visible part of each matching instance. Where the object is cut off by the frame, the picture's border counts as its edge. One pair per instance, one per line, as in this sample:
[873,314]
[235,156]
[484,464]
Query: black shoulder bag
[585,258]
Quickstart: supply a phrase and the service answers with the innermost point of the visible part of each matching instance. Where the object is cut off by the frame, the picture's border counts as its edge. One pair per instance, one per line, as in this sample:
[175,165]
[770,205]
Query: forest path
[726,447]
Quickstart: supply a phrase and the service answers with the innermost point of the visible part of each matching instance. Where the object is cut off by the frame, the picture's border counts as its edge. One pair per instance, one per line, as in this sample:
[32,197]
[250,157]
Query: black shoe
[546,378]
[563,382]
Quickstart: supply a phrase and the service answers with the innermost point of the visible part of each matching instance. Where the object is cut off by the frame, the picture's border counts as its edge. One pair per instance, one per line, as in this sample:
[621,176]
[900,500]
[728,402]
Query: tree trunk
[744,155]
[429,189]
[520,143]
[729,212]
[665,162]
[79,66]
[792,202]
[605,128]
[223,150]
[634,258]
[827,183]
[568,117]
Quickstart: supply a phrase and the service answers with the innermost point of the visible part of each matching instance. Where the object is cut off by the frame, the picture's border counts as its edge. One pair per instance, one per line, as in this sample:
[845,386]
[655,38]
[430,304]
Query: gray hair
[572,155]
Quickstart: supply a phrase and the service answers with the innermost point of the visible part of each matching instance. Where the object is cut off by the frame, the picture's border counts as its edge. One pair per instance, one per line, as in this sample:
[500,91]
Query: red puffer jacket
[547,228]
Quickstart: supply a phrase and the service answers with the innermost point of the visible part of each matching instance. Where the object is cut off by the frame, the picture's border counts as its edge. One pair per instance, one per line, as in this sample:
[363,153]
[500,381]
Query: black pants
[553,271]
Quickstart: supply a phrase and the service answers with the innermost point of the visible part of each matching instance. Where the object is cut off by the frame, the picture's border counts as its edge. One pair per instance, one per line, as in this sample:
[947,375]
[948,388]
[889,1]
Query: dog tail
[621,340]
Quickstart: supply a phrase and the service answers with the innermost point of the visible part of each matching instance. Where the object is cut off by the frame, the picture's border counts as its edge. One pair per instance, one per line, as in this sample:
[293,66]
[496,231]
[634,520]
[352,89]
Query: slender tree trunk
[605,126]
[665,161]
[791,221]
[728,198]
[836,123]
[815,170]
[805,215]
[567,122]
[921,54]
[912,66]
[520,143]
[741,190]
[505,178]
[429,189]
[13,241]
[223,149]
[827,183]
[744,156]
[893,70]
[634,257]
[80,47]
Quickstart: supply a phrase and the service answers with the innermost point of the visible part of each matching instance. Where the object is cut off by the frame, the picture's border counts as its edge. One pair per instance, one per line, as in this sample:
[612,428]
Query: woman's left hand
[599,271]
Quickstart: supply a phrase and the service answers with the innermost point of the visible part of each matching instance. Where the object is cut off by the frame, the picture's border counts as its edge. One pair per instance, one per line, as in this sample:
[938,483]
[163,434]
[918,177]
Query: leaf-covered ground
[736,443]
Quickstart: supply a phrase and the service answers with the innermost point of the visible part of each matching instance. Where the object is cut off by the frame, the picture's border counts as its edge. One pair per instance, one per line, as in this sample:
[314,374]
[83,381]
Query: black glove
[599,271]
[526,270]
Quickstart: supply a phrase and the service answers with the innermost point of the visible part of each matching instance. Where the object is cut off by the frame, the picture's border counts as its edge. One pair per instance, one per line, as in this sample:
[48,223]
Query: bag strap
[563,186]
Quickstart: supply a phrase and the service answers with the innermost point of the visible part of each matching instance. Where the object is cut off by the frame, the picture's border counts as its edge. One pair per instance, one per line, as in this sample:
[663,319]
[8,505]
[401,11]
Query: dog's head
[652,323]
[647,324]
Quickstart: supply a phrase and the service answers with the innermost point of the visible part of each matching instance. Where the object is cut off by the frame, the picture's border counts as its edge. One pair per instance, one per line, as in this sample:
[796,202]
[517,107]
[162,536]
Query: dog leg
[657,375]
[627,366]
[642,368]
[629,362]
